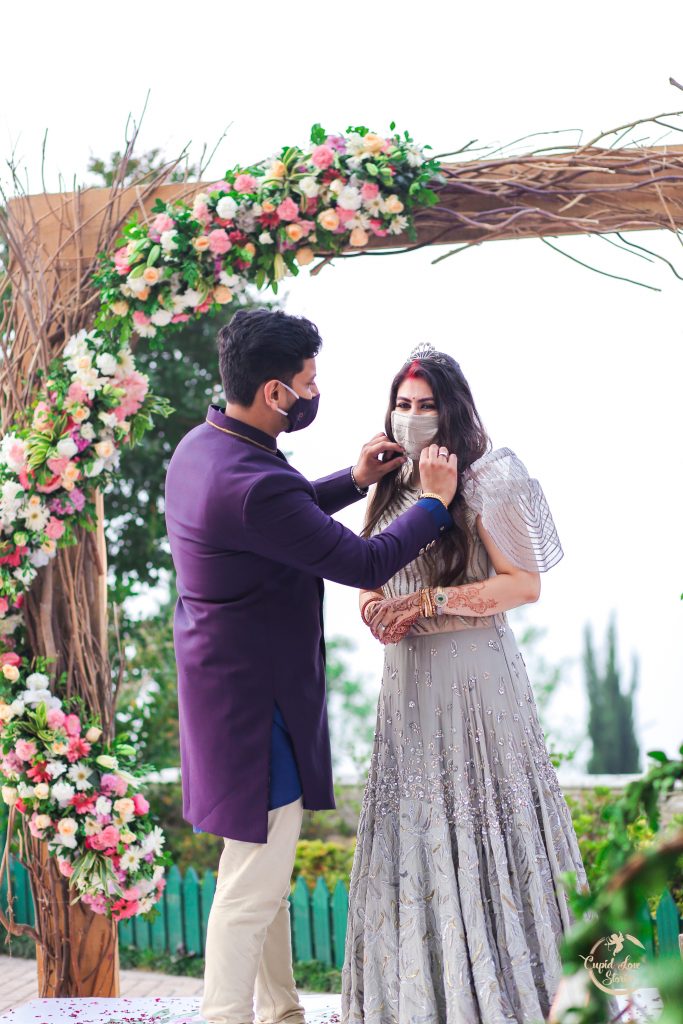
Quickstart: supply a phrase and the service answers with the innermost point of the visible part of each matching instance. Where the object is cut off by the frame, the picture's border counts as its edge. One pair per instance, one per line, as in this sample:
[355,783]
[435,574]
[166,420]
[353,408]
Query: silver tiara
[425,350]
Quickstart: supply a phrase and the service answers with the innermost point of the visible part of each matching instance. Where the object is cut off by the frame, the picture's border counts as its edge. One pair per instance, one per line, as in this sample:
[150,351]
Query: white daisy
[130,858]
[79,774]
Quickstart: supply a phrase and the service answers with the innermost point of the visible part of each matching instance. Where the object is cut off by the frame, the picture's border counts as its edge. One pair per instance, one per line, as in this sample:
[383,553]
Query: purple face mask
[302,413]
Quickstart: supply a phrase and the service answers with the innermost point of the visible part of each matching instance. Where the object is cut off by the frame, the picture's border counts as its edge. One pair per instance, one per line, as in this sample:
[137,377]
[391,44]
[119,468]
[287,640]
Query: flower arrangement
[261,223]
[78,794]
[91,402]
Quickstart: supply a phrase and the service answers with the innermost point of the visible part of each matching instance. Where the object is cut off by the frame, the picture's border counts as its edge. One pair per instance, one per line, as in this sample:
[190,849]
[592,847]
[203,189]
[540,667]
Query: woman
[456,909]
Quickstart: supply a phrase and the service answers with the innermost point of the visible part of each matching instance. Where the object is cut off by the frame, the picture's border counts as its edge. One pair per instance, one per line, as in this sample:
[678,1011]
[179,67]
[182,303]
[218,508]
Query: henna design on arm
[470,596]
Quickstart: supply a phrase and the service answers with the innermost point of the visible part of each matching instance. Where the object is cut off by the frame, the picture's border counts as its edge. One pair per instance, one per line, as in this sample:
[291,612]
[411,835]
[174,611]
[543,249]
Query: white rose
[226,208]
[168,242]
[349,198]
[18,706]
[136,284]
[88,431]
[9,795]
[93,734]
[67,447]
[38,559]
[42,791]
[10,489]
[106,364]
[25,791]
[265,238]
[103,805]
[67,826]
[191,298]
[108,418]
[37,681]
[62,793]
[229,280]
[310,187]
[161,317]
[42,821]
[337,186]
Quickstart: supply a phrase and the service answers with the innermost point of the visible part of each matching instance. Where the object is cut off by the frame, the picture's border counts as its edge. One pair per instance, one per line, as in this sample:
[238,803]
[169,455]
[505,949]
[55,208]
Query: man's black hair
[262,344]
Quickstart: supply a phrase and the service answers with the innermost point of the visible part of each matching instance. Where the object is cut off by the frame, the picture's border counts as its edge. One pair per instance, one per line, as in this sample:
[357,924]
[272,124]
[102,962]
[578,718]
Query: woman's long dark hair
[461,431]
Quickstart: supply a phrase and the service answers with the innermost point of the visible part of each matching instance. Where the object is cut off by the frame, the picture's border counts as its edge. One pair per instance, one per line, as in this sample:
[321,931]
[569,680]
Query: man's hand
[439,472]
[368,470]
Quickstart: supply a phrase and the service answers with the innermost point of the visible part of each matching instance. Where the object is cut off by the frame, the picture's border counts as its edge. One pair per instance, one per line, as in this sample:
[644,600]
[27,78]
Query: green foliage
[312,976]
[332,861]
[630,867]
[610,721]
[351,711]
[139,169]
[149,960]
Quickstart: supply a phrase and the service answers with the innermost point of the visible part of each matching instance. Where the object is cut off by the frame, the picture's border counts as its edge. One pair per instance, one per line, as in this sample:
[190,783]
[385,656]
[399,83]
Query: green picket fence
[318,918]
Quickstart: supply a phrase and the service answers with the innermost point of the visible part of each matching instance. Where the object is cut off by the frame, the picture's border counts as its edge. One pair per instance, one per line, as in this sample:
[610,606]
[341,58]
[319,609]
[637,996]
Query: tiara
[425,350]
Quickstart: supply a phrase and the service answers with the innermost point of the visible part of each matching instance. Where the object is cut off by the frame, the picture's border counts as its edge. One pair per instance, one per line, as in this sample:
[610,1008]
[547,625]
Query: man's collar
[239,428]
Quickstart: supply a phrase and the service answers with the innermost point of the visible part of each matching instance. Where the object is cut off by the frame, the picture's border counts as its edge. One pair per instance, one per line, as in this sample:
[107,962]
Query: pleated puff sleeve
[513,510]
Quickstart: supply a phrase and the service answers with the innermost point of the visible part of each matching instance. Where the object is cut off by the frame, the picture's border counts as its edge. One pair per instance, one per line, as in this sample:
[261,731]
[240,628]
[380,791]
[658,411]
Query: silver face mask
[413,431]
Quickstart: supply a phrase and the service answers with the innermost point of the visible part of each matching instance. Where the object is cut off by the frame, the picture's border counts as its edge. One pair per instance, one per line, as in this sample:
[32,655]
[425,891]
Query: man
[251,539]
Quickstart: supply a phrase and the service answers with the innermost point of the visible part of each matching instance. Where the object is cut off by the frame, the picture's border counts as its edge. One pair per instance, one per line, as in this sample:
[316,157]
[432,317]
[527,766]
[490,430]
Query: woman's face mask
[414,431]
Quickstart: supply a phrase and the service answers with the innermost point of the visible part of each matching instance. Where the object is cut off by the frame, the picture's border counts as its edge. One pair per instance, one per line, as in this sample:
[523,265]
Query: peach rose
[202,243]
[119,308]
[393,204]
[304,256]
[250,248]
[359,237]
[79,413]
[150,275]
[277,169]
[10,672]
[294,232]
[373,143]
[143,294]
[328,219]
[222,294]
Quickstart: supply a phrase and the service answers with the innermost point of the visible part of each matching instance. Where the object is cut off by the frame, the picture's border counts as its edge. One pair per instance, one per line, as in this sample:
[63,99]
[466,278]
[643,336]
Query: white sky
[579,374]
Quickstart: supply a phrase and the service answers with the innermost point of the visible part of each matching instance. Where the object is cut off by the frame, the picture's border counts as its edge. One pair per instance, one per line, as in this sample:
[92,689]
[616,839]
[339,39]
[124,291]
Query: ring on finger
[443,453]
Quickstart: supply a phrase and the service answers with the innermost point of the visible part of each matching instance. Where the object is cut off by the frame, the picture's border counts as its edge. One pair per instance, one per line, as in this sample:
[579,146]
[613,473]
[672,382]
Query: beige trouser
[248,940]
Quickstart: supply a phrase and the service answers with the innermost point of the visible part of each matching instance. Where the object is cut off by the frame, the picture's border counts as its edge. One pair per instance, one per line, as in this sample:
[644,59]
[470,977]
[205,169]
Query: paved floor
[18,983]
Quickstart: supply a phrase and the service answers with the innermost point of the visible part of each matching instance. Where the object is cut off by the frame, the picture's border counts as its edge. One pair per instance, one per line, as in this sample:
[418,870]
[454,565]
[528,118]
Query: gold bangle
[427,605]
[429,494]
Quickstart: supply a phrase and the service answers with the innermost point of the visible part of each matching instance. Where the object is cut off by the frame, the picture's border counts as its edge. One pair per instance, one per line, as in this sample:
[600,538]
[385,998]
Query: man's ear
[271,392]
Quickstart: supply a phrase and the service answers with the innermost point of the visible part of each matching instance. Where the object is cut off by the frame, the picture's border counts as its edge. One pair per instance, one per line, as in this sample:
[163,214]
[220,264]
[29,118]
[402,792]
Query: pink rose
[76,393]
[288,210]
[65,866]
[180,318]
[4,606]
[322,156]
[162,222]
[10,658]
[113,785]
[245,183]
[369,190]
[58,465]
[141,804]
[55,528]
[219,241]
[25,749]
[55,718]
[72,725]
[345,215]
[377,229]
[98,904]
[140,319]
[121,261]
[51,485]
[136,386]
[107,839]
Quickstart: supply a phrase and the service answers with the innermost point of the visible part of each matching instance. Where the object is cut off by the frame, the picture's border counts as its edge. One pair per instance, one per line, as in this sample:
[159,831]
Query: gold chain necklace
[243,437]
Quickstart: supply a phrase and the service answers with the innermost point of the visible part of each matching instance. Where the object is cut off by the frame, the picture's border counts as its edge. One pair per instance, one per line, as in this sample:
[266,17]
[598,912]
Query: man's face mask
[302,412]
[414,431]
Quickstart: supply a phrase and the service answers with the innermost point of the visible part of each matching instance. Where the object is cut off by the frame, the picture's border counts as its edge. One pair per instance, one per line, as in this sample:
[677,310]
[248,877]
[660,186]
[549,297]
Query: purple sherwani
[250,539]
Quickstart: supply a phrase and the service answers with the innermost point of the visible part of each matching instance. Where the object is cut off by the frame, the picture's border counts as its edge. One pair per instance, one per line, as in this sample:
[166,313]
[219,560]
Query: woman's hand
[393,617]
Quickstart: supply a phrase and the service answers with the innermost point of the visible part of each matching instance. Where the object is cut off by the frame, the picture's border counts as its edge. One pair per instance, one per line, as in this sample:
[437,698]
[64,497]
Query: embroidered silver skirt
[456,910]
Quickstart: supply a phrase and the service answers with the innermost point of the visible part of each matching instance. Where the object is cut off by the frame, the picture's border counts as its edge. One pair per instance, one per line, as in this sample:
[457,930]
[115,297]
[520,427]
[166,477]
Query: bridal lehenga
[456,908]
